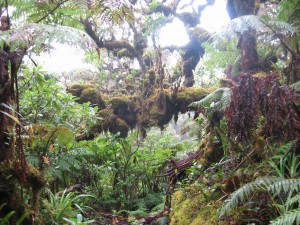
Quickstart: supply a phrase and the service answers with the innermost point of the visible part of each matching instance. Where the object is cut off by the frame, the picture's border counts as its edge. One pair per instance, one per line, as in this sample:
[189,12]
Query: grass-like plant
[5,220]
[57,208]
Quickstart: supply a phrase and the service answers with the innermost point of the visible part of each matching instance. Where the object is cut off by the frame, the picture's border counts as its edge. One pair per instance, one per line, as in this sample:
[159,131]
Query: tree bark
[247,40]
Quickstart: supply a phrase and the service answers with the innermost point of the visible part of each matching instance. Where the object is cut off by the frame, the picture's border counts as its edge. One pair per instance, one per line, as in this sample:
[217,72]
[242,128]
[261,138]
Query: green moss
[193,209]
[76,89]
[124,108]
[186,96]
[89,95]
[119,126]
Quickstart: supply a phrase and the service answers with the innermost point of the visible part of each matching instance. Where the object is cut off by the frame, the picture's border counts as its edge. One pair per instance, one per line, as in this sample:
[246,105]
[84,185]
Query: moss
[119,126]
[260,74]
[186,96]
[36,181]
[124,53]
[110,122]
[124,108]
[193,209]
[76,89]
[88,95]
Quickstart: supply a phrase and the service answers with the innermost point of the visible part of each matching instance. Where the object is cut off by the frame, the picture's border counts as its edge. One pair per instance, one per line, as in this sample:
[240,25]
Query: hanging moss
[156,108]
[110,122]
[119,126]
[124,108]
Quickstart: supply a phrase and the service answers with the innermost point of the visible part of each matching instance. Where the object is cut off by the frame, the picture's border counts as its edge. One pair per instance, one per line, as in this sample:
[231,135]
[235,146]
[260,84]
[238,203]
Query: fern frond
[239,25]
[284,27]
[284,185]
[41,35]
[237,197]
[219,98]
[296,86]
[289,218]
[244,193]
[292,200]
[252,22]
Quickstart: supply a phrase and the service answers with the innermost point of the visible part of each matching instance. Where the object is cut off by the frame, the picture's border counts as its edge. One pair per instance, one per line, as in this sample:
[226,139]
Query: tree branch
[51,11]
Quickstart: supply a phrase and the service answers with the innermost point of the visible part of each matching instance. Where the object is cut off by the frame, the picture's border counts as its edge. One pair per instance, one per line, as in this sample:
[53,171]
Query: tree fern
[252,22]
[218,99]
[41,35]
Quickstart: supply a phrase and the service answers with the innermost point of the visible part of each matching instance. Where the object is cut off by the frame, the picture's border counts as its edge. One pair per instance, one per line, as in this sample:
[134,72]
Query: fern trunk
[247,40]
[249,56]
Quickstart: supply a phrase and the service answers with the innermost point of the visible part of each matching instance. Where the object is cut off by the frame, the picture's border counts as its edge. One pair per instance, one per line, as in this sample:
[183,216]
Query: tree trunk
[247,40]
[15,173]
[249,56]
[9,190]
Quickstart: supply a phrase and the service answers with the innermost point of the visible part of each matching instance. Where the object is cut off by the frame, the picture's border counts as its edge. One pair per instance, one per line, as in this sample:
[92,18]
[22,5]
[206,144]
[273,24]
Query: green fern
[273,185]
[293,200]
[40,36]
[296,86]
[252,22]
[218,99]
[239,196]
[289,218]
[287,186]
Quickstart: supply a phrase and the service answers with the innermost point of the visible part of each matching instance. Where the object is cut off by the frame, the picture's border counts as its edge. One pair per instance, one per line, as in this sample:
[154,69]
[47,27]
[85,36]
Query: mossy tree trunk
[15,173]
[9,189]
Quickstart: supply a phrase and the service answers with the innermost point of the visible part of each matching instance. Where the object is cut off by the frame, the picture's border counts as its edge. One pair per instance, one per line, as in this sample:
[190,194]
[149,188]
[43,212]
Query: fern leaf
[288,218]
[296,86]
[237,197]
[244,193]
[252,22]
[292,200]
[221,97]
[284,185]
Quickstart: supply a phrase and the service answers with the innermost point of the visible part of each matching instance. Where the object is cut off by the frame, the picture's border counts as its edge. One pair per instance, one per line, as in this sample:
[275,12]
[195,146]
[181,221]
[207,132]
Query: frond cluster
[252,22]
